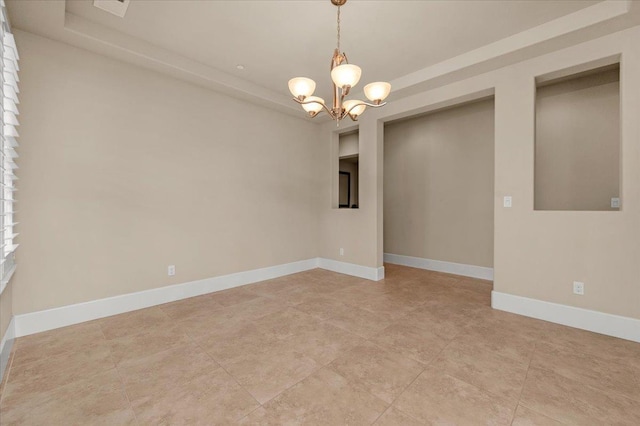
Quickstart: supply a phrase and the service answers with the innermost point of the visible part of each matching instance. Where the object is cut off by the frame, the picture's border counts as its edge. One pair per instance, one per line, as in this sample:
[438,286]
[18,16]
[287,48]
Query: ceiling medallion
[344,76]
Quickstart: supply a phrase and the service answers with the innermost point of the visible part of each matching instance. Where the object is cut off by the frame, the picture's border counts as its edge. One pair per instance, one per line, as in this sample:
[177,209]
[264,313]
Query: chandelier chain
[338,28]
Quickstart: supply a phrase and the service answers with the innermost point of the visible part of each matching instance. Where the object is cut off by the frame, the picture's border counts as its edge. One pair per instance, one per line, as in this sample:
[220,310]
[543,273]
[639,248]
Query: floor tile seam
[607,392]
[146,330]
[524,404]
[267,292]
[121,376]
[250,412]
[386,316]
[316,318]
[226,371]
[436,356]
[63,355]
[504,333]
[512,404]
[524,382]
[305,332]
[344,329]
[7,373]
[400,318]
[592,386]
[245,302]
[482,389]
[147,355]
[362,388]
[71,383]
[126,394]
[320,367]
[381,414]
[634,369]
[295,307]
[185,329]
[500,357]
[562,347]
[197,309]
[399,395]
[259,317]
[94,372]
[194,315]
[169,345]
[391,349]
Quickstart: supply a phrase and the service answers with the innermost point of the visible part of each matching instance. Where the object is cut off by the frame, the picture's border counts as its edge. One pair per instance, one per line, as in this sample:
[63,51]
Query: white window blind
[8,145]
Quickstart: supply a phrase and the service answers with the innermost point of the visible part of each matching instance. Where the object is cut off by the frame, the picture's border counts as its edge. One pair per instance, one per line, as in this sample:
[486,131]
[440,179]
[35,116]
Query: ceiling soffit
[51,19]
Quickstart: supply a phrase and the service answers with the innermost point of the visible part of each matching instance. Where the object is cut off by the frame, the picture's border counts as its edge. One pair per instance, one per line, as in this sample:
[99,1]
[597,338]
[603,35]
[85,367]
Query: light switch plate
[507,201]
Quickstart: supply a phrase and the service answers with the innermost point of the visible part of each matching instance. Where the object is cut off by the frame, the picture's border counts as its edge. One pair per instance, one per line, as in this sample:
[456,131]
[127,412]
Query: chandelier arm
[344,115]
[374,105]
[302,102]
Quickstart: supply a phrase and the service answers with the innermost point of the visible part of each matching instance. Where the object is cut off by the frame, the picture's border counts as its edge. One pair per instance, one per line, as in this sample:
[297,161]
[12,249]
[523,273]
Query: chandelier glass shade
[344,76]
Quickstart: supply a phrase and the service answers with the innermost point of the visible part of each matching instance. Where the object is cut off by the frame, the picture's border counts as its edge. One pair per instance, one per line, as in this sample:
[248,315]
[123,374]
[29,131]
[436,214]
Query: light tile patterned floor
[323,348]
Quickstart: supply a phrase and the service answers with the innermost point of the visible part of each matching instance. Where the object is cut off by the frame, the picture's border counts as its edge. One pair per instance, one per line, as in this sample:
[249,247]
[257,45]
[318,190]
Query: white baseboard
[473,271]
[5,346]
[585,319]
[367,272]
[49,319]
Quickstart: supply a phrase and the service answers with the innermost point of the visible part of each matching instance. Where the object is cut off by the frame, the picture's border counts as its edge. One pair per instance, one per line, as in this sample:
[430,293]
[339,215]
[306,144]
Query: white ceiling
[204,41]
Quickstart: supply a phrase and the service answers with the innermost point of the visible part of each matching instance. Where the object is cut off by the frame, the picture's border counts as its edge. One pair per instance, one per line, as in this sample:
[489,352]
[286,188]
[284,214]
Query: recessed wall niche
[577,141]
[348,170]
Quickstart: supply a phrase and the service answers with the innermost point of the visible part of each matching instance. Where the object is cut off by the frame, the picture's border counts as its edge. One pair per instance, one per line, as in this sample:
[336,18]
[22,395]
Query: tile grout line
[426,366]
[7,371]
[120,378]
[568,349]
[320,366]
[524,382]
[225,370]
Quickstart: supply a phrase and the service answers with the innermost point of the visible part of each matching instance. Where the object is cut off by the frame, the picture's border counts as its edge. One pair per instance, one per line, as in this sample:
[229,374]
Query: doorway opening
[439,190]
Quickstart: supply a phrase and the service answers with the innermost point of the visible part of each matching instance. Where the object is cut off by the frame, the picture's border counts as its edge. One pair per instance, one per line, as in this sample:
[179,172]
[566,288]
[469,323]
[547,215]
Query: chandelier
[345,76]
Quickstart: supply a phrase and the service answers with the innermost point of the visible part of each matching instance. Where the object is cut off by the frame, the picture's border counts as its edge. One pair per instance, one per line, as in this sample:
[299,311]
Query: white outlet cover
[578,288]
[507,201]
[171,270]
[615,203]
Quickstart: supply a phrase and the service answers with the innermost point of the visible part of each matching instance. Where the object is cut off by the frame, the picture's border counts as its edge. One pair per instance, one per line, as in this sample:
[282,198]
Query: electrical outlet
[578,288]
[507,201]
[615,203]
[341,252]
[171,270]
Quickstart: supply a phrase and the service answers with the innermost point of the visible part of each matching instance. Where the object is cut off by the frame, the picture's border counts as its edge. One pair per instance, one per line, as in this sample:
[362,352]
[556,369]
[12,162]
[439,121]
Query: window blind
[8,145]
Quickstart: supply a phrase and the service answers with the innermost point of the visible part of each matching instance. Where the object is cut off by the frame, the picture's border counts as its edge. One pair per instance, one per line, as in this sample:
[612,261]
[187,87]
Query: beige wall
[124,171]
[438,185]
[537,254]
[349,145]
[352,229]
[577,163]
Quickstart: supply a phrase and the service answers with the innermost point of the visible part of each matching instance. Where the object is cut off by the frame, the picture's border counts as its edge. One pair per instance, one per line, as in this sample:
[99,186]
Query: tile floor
[323,348]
